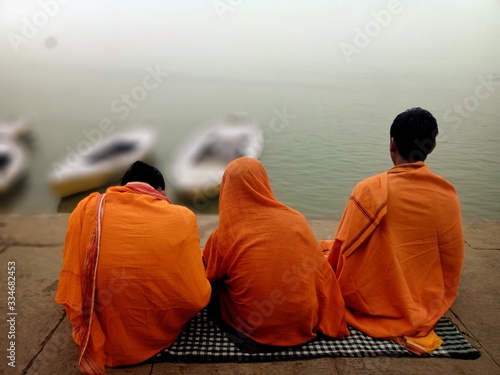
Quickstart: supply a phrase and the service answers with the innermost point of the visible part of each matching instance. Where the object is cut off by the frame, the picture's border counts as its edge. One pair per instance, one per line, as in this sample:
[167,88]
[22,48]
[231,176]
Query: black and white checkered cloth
[203,342]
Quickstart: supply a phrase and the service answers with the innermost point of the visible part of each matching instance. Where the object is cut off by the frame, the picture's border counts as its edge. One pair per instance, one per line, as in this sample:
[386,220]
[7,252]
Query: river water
[290,65]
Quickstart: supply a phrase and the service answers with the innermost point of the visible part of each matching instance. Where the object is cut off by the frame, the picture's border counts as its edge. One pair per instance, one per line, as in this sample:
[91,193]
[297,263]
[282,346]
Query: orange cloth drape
[275,284]
[150,276]
[398,253]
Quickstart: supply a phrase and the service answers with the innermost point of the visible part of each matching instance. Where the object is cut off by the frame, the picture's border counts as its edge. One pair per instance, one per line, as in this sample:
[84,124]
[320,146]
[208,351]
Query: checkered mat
[202,341]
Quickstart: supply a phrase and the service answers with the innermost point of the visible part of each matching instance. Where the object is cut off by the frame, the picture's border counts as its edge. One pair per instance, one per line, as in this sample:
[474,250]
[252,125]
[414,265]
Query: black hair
[414,132]
[142,172]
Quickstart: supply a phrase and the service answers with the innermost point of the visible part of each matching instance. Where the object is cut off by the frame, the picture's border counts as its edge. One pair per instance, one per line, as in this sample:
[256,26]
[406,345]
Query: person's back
[274,285]
[398,251]
[424,220]
[149,277]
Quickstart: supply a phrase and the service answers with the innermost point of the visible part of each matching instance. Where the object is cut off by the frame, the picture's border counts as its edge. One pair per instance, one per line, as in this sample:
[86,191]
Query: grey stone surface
[43,335]
[478,301]
[37,230]
[36,274]
[482,234]
[321,366]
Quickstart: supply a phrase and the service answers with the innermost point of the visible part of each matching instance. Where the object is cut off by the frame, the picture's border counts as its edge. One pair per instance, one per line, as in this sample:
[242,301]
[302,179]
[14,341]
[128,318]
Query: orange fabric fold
[150,278]
[275,285]
[398,253]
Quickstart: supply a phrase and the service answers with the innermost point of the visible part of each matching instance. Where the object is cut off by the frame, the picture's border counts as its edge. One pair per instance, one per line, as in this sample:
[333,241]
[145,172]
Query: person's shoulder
[88,200]
[373,179]
[292,212]
[83,207]
[440,180]
[181,210]
[370,182]
[182,216]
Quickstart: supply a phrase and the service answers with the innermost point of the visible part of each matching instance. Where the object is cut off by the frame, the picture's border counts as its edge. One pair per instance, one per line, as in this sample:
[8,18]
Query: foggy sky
[206,35]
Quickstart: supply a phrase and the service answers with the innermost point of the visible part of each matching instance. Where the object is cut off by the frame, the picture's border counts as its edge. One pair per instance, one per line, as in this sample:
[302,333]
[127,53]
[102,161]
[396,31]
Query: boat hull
[199,163]
[104,164]
[14,163]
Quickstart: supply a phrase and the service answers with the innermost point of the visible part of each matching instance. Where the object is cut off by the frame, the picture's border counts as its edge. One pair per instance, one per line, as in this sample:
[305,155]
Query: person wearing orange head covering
[132,273]
[273,284]
[399,248]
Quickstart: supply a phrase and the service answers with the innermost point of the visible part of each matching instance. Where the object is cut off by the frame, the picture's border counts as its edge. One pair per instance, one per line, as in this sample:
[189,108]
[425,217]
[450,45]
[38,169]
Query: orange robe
[398,254]
[276,286]
[150,277]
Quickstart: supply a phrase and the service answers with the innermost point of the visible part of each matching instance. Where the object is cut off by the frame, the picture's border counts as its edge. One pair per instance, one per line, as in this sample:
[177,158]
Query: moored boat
[102,164]
[198,164]
[14,163]
[14,129]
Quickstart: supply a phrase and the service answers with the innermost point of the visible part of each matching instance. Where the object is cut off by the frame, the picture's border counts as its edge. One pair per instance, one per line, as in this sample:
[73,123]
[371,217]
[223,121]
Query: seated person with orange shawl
[274,286]
[132,272]
[399,248]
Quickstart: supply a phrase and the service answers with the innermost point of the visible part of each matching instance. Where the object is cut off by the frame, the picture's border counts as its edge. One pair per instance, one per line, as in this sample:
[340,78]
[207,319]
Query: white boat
[102,164]
[14,129]
[199,163]
[14,163]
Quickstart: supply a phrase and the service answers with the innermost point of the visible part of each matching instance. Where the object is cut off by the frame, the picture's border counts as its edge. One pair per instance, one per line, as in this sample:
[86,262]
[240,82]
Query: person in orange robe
[399,248]
[273,284]
[132,273]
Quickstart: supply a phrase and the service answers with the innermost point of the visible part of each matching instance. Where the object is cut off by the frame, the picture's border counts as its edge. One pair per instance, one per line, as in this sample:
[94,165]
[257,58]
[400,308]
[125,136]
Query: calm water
[265,61]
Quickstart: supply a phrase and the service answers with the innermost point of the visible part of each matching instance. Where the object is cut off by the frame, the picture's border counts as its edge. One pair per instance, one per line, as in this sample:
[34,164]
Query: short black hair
[142,172]
[414,132]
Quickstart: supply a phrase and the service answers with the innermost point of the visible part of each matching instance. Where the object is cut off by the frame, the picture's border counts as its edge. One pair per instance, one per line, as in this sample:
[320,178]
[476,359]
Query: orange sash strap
[365,209]
[87,363]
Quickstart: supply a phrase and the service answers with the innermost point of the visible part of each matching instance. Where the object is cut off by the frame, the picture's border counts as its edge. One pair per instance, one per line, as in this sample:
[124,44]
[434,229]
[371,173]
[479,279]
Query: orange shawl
[147,276]
[276,286]
[398,254]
